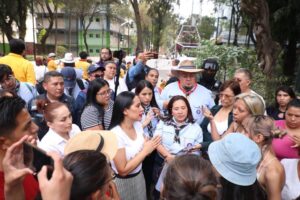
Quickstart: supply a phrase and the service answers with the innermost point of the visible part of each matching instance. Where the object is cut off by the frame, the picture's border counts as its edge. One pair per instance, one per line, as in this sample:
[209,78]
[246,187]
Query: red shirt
[30,185]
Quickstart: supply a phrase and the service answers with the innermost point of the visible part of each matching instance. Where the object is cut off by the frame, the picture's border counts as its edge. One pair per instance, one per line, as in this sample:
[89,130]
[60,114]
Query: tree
[159,11]
[135,6]
[206,27]
[267,49]
[48,7]
[13,12]
[285,26]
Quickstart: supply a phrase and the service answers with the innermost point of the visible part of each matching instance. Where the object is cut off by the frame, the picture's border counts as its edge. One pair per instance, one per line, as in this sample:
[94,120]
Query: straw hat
[102,141]
[68,58]
[186,66]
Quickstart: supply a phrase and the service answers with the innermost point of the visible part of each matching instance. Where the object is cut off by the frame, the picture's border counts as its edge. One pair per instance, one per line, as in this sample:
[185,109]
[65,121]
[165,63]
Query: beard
[187,88]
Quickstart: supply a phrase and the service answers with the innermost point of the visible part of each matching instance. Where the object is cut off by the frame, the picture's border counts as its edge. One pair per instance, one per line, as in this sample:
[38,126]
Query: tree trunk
[49,29]
[267,49]
[135,6]
[8,30]
[55,34]
[22,15]
[70,32]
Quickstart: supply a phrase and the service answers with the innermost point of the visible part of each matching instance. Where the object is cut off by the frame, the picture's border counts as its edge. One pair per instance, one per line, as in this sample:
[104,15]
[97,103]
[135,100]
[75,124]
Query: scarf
[149,126]
[177,128]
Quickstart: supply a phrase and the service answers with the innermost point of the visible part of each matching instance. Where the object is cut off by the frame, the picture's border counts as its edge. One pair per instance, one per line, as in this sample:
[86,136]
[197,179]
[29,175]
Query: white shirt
[198,98]
[40,72]
[291,189]
[132,147]
[122,85]
[54,142]
[221,127]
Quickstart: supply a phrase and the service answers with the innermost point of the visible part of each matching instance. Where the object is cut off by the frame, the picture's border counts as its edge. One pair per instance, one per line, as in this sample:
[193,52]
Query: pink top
[283,146]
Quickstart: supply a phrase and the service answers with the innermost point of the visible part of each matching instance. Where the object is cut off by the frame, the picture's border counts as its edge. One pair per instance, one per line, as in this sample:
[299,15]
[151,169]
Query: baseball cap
[99,140]
[210,64]
[235,157]
[94,67]
[69,75]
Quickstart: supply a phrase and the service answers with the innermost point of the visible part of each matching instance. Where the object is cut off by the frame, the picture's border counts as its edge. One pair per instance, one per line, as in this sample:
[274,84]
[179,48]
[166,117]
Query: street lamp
[217,31]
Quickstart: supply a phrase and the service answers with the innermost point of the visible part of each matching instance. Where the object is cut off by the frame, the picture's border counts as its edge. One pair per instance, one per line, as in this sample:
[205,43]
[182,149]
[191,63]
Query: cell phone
[36,158]
[155,55]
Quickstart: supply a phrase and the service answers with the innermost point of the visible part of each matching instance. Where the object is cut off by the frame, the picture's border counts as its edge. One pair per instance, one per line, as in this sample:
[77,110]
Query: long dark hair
[236,192]
[94,87]
[146,84]
[285,89]
[123,101]
[170,106]
[90,172]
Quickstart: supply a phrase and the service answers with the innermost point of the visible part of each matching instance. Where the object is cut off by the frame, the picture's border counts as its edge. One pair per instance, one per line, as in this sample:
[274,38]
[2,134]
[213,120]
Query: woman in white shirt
[59,120]
[291,189]
[132,146]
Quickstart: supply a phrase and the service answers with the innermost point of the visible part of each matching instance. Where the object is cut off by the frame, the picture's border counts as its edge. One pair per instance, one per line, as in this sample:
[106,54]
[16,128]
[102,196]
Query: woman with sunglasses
[270,172]
[98,109]
[222,114]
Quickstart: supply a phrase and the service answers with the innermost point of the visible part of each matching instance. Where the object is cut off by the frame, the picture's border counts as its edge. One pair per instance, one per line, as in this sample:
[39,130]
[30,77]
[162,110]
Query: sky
[188,6]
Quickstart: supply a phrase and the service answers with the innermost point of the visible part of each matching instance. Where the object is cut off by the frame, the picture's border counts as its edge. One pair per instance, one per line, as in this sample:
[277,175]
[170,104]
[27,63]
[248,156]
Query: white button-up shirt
[54,142]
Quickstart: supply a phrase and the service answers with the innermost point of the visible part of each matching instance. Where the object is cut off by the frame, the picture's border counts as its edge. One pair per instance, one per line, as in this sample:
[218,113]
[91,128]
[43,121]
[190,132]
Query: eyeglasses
[225,96]
[8,79]
[108,92]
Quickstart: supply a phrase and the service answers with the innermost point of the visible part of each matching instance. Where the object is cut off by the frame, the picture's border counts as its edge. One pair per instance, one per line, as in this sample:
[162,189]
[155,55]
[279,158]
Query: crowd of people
[82,130]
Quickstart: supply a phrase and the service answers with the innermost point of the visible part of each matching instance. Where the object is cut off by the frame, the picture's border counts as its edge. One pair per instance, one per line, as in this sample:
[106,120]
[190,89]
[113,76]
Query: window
[97,51]
[97,20]
[97,35]
[91,35]
[91,50]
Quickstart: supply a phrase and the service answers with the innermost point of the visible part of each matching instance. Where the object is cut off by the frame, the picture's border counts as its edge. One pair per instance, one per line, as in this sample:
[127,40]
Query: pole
[217,29]
[128,40]
[33,31]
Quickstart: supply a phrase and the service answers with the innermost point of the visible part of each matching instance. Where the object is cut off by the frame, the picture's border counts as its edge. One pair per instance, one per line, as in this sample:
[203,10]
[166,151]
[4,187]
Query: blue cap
[235,157]
[94,67]
[69,75]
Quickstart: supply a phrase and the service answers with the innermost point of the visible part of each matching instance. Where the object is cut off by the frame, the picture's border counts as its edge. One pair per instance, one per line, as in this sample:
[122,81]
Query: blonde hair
[254,103]
[261,124]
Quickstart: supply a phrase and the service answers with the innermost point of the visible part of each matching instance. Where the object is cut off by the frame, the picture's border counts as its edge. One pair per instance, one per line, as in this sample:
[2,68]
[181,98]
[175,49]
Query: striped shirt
[91,117]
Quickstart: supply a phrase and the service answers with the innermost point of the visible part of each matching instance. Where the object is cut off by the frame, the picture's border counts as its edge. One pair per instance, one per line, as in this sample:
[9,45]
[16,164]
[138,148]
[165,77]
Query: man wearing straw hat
[197,95]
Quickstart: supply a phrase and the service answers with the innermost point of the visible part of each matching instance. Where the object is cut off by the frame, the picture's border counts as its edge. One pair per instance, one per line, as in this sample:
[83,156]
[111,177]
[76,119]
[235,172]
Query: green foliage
[231,58]
[60,51]
[41,34]
[206,27]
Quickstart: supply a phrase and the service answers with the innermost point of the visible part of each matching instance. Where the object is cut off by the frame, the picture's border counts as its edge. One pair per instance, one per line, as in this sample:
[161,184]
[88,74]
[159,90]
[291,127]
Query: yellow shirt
[83,65]
[52,66]
[22,68]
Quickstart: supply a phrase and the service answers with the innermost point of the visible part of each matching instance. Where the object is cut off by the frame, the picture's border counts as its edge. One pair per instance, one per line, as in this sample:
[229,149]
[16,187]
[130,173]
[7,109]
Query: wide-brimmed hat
[69,58]
[69,75]
[235,157]
[102,141]
[186,66]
